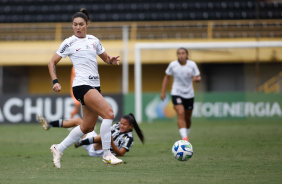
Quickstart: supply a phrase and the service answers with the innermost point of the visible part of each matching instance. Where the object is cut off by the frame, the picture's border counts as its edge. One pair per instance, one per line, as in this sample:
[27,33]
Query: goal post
[202,45]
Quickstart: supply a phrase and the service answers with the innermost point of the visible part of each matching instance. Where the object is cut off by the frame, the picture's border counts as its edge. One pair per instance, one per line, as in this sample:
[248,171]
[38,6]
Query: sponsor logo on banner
[24,109]
[158,109]
[237,109]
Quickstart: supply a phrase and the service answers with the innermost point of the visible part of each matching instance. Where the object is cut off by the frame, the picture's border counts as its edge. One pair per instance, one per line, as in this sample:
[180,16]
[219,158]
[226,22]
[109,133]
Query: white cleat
[111,159]
[56,156]
[44,122]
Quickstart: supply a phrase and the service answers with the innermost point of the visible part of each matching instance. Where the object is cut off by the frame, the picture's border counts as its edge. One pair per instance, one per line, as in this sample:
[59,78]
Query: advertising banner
[225,106]
[25,108]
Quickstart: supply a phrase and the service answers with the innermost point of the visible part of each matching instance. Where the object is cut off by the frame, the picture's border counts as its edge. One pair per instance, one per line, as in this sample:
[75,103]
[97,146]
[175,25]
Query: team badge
[178,100]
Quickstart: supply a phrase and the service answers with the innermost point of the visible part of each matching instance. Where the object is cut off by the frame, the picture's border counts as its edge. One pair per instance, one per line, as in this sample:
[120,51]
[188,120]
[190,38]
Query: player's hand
[57,87]
[162,96]
[113,60]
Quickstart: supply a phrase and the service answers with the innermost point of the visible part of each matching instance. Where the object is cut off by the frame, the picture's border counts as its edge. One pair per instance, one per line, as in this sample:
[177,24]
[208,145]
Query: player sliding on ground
[122,138]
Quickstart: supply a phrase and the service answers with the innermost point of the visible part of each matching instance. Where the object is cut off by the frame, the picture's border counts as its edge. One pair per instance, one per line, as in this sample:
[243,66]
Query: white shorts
[90,148]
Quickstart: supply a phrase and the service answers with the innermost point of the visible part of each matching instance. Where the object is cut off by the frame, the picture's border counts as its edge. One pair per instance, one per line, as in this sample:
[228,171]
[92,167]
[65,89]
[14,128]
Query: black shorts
[80,91]
[188,103]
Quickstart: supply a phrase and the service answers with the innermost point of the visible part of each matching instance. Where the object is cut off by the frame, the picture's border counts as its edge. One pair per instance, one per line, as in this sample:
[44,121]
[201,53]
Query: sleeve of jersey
[127,144]
[64,49]
[196,70]
[99,48]
[168,71]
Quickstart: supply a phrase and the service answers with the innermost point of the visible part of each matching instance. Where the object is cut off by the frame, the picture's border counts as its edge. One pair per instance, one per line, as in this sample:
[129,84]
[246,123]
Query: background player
[184,72]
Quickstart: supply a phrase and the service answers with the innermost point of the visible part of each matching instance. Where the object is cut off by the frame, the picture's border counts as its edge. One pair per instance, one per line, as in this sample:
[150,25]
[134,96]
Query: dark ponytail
[83,13]
[133,122]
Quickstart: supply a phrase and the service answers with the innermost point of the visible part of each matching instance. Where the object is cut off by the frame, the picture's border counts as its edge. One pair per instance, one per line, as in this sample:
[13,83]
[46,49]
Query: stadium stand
[12,11]
[41,25]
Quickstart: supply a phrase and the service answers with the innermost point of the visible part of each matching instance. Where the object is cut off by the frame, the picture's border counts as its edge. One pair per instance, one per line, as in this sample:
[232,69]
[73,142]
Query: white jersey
[82,52]
[183,75]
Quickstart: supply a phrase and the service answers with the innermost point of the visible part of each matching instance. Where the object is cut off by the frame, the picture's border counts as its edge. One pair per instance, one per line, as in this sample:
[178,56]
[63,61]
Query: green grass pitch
[224,152]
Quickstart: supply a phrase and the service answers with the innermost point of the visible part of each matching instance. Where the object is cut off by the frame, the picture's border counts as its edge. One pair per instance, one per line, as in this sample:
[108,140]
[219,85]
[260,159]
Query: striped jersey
[121,140]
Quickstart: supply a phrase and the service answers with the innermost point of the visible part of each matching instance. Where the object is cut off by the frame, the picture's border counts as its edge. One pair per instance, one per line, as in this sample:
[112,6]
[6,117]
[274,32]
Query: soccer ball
[182,150]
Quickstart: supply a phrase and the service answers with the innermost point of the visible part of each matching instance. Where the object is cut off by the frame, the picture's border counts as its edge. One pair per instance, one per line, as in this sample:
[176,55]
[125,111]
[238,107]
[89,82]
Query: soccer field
[224,152]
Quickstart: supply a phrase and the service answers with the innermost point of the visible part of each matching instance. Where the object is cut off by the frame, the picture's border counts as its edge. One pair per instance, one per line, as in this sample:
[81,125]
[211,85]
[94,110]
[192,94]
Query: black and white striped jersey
[121,140]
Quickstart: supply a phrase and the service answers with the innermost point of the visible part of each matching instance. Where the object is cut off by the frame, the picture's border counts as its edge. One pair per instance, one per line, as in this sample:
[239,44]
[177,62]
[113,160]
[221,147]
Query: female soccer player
[184,72]
[82,49]
[122,137]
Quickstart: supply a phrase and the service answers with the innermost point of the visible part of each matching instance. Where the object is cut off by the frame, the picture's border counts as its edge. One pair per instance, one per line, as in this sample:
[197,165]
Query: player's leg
[181,120]
[89,121]
[89,140]
[188,106]
[59,123]
[188,115]
[96,102]
[180,111]
[72,122]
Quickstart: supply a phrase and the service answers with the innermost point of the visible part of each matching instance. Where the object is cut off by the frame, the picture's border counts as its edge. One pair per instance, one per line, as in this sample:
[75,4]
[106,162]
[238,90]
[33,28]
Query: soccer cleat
[77,144]
[111,159]
[44,122]
[186,139]
[56,156]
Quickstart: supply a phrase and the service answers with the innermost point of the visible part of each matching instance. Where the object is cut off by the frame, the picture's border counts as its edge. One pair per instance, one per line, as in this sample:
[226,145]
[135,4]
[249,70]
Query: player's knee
[86,129]
[109,114]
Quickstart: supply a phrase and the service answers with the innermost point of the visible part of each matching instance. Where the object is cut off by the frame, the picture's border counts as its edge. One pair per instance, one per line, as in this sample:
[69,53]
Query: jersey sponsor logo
[91,77]
[64,48]
[87,47]
[78,49]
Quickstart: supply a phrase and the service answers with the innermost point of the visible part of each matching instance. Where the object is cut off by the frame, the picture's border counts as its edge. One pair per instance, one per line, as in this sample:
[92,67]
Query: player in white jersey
[122,137]
[82,50]
[184,72]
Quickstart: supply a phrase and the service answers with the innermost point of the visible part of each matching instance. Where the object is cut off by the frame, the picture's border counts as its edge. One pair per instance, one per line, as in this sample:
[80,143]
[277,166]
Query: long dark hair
[83,13]
[130,117]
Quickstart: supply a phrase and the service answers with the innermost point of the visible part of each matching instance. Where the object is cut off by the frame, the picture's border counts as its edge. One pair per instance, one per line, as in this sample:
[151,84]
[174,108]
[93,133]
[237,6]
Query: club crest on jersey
[178,100]
[94,45]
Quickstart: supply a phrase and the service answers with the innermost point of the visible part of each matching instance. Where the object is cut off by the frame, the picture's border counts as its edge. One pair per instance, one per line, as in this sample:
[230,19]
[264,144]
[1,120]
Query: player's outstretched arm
[108,59]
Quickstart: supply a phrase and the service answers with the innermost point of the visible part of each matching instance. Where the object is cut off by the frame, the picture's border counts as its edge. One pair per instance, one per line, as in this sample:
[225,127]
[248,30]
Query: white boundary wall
[202,45]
